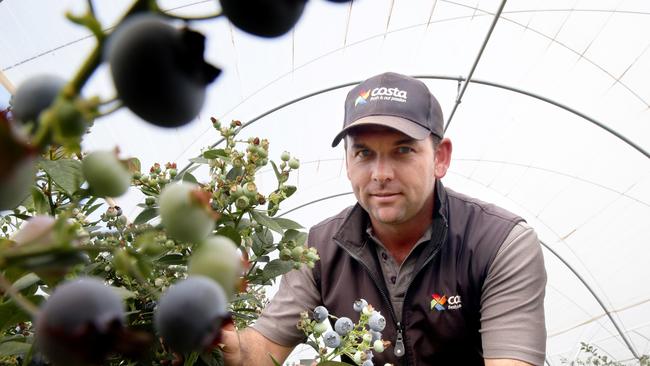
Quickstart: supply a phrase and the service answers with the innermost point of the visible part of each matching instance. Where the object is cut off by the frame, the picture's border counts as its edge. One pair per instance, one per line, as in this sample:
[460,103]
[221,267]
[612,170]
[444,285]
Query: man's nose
[382,170]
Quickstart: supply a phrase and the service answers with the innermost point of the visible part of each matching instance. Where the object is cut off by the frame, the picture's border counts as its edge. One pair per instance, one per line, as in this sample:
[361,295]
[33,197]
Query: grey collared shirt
[398,276]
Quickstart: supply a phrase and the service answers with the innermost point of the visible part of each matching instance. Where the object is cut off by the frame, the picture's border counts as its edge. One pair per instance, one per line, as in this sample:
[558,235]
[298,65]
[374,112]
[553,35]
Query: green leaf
[289,190]
[199,160]
[262,242]
[264,220]
[214,154]
[92,209]
[66,173]
[26,281]
[188,177]
[276,268]
[13,348]
[10,313]
[275,169]
[299,237]
[191,359]
[132,165]
[230,233]
[146,215]
[172,259]
[234,173]
[286,223]
[41,204]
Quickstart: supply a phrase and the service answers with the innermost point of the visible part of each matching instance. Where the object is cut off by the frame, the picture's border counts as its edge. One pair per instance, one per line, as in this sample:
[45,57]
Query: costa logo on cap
[362,98]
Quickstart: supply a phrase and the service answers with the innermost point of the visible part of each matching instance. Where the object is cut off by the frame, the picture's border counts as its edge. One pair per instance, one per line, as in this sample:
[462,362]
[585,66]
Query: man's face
[392,175]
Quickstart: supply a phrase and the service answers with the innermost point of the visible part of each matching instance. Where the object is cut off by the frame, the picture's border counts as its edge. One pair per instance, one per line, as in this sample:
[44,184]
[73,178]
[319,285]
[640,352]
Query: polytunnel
[547,104]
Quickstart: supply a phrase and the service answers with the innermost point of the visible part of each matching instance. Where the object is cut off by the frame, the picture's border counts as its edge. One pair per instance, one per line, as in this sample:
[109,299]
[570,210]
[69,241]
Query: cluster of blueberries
[344,325]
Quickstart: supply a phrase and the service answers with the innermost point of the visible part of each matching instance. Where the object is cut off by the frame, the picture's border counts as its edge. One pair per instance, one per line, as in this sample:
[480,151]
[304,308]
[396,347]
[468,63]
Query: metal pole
[459,98]
[457,79]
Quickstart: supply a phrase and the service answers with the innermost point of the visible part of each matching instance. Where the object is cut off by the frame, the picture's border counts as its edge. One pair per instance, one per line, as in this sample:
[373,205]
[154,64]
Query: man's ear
[442,158]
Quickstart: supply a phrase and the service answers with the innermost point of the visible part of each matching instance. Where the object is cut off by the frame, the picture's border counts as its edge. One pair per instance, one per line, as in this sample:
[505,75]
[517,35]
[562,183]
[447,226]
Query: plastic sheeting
[585,190]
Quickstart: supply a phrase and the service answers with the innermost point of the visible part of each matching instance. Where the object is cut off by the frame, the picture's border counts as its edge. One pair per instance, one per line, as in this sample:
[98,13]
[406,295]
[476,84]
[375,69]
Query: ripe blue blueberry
[77,323]
[359,305]
[367,363]
[190,313]
[320,313]
[331,339]
[34,95]
[377,322]
[343,326]
[375,335]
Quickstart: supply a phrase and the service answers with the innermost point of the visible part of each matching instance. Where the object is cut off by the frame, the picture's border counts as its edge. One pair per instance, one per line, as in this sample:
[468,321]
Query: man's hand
[229,346]
[256,349]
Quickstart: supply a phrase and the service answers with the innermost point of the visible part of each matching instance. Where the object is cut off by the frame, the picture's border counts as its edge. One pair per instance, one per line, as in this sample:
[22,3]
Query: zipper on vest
[399,342]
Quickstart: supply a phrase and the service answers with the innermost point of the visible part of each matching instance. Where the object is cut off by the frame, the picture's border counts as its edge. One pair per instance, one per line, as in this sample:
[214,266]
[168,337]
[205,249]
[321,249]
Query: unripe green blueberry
[173,173]
[242,203]
[312,255]
[285,156]
[294,163]
[105,174]
[367,337]
[150,201]
[217,257]
[357,357]
[250,190]
[183,214]
[378,346]
[67,120]
[320,328]
[285,254]
[296,253]
[190,313]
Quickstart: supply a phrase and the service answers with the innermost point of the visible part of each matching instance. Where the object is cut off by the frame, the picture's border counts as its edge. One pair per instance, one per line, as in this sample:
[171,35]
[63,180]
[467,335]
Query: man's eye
[404,149]
[363,153]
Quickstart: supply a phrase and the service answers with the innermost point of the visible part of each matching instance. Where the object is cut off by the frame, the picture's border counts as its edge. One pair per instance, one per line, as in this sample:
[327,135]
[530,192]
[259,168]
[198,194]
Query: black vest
[441,315]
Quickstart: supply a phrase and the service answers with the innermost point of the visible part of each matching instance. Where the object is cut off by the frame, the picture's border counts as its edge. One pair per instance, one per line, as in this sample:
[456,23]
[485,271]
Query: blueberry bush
[82,283]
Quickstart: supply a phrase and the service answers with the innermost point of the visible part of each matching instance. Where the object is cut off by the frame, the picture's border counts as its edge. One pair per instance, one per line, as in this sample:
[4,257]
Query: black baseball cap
[396,101]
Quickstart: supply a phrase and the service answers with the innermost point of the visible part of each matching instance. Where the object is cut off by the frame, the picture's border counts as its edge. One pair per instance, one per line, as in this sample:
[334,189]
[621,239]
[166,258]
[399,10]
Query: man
[460,281]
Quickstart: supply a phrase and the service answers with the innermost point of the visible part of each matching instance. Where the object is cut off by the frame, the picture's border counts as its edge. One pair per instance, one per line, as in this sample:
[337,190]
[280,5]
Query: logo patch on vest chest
[442,302]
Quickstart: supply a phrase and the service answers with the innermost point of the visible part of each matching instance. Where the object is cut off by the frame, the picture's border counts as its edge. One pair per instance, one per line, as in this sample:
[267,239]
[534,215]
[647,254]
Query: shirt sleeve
[279,319]
[512,302]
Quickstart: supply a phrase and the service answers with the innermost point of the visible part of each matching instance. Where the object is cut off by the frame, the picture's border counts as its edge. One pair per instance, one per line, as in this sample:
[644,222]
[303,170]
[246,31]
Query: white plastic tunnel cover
[554,123]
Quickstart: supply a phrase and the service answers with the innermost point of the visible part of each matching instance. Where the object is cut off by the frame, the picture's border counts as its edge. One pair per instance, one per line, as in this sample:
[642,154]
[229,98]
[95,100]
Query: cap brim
[400,124]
